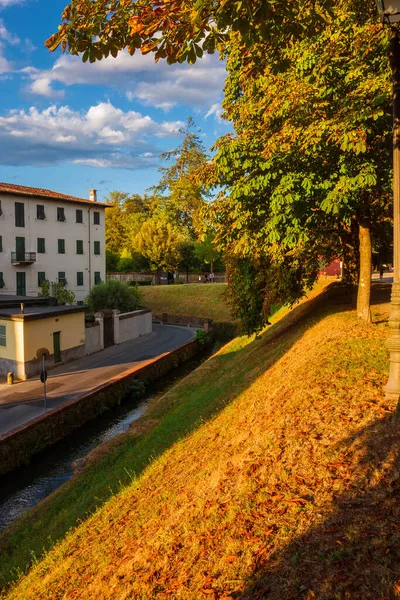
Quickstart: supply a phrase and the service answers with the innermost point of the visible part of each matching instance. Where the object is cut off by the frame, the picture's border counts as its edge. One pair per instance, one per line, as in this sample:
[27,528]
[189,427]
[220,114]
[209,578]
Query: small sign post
[43,379]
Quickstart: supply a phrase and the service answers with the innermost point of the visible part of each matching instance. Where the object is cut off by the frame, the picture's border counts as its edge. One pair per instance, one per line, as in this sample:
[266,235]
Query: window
[41,278]
[97,248]
[60,214]
[19,214]
[79,246]
[41,245]
[79,216]
[40,215]
[62,278]
[1,211]
[79,278]
[96,218]
[1,243]
[61,246]
[97,277]
[2,284]
[3,338]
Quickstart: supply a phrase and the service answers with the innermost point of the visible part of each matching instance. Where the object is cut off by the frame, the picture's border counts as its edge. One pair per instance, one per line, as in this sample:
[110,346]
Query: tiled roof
[23,190]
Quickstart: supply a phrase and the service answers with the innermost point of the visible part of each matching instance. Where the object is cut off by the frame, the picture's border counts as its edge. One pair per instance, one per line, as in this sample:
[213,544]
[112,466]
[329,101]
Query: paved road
[23,402]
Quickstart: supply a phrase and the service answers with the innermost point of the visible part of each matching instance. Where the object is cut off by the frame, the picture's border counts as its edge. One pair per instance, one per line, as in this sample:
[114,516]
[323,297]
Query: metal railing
[26,258]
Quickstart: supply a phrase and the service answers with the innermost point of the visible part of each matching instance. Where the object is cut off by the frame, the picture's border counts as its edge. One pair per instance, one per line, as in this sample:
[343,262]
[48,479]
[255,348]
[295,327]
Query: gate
[108,330]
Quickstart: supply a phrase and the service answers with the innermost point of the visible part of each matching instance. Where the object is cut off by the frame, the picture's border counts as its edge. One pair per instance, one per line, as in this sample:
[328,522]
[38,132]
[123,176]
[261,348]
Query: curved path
[23,402]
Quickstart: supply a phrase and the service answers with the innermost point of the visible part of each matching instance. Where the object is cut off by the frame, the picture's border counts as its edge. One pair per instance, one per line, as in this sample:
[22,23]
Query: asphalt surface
[23,402]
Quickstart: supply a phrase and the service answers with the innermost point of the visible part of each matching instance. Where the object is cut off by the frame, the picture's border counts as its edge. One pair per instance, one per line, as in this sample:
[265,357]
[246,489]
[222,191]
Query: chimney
[93,195]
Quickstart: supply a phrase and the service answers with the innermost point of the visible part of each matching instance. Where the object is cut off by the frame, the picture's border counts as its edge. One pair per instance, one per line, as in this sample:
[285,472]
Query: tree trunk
[187,274]
[364,282]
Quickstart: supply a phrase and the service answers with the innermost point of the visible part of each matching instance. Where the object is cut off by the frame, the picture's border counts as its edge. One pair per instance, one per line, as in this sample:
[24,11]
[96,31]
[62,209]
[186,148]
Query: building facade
[45,235]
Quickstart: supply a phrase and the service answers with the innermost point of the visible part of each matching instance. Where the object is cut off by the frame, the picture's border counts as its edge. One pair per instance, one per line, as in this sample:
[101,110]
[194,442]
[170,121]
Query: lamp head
[389,11]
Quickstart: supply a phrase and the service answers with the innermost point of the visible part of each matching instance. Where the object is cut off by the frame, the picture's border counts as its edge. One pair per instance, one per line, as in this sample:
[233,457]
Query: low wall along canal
[26,486]
[18,446]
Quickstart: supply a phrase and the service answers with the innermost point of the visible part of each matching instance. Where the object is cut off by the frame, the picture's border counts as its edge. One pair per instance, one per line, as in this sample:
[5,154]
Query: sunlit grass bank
[270,472]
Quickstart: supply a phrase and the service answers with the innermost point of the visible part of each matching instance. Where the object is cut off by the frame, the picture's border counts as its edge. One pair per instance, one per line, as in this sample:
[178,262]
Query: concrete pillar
[207,325]
[99,319]
[115,314]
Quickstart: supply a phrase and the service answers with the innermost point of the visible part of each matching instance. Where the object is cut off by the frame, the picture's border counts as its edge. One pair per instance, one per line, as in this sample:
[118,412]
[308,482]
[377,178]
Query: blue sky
[70,126]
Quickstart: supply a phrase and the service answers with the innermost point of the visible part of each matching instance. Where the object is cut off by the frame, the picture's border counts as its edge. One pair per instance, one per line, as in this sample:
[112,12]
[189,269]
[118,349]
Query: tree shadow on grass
[201,396]
[355,552]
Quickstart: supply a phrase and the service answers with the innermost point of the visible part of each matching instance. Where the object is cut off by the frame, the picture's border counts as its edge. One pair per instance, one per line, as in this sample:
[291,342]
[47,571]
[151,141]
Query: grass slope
[194,299]
[291,489]
[169,418]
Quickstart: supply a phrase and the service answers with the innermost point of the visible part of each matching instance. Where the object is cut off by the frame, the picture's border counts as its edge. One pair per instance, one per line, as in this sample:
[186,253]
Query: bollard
[10,378]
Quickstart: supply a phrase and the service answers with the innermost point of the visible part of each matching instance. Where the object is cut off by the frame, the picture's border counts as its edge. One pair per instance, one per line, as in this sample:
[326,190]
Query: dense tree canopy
[179,30]
[307,173]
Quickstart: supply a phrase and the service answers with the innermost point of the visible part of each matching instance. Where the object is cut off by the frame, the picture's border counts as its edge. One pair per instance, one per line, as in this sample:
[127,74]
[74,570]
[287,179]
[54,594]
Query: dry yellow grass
[292,491]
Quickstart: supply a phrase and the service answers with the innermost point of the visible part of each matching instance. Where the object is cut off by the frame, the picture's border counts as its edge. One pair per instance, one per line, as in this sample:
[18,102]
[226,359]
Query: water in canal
[25,487]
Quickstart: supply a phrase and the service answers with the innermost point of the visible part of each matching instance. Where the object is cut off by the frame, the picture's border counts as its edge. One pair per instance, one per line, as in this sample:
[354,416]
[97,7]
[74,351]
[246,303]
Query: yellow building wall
[14,349]
[39,334]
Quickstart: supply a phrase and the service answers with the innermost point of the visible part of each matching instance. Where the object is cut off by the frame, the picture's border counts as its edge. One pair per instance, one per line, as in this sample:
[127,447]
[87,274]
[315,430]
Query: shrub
[61,293]
[114,295]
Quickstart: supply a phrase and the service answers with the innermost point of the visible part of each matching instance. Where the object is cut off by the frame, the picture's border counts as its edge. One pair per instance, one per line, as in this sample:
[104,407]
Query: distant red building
[332,270]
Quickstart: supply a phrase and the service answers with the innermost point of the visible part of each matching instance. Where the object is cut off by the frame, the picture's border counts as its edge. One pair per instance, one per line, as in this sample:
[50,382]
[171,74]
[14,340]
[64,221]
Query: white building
[45,235]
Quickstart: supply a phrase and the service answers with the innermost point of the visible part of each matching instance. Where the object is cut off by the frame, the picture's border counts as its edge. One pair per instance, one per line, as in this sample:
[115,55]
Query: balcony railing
[23,258]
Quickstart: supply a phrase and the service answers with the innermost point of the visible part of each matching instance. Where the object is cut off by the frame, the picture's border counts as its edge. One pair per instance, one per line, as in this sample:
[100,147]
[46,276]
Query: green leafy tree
[125,262]
[179,30]
[208,254]
[188,260]
[111,261]
[181,193]
[257,287]
[159,242]
[112,295]
[116,234]
[308,172]
[57,290]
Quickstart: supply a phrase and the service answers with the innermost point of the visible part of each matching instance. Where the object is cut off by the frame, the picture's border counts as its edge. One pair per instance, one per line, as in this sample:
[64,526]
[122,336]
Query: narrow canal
[25,487]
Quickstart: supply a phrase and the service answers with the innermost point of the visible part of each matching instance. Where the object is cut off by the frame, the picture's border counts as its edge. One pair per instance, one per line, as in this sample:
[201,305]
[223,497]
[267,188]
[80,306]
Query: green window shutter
[40,214]
[79,216]
[97,248]
[97,277]
[41,245]
[19,214]
[96,218]
[79,278]
[79,246]
[2,284]
[62,278]
[1,243]
[3,336]
[61,246]
[41,278]
[61,214]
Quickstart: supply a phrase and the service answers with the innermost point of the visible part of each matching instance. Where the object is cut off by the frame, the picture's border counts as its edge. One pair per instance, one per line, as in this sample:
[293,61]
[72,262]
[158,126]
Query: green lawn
[193,299]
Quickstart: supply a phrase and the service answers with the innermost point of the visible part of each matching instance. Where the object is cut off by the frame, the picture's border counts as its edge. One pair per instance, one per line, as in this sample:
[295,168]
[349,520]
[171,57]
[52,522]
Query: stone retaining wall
[93,341]
[18,446]
[134,324]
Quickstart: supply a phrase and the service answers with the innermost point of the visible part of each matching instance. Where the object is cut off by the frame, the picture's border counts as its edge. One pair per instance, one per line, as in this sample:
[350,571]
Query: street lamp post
[390,15]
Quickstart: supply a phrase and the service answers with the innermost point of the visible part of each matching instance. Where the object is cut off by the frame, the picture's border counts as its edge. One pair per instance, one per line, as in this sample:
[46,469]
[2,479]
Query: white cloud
[103,135]
[7,3]
[6,35]
[216,111]
[42,87]
[140,78]
[5,65]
